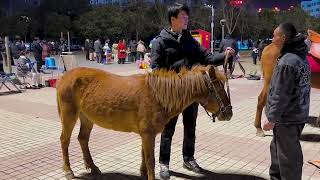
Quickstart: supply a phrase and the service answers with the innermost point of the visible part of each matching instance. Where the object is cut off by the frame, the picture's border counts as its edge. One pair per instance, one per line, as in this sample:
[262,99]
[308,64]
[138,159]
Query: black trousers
[286,153]
[87,54]
[229,64]
[133,56]
[39,64]
[254,58]
[140,55]
[189,122]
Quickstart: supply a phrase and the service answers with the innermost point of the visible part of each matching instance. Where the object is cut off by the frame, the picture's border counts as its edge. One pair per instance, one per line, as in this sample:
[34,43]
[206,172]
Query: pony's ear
[212,72]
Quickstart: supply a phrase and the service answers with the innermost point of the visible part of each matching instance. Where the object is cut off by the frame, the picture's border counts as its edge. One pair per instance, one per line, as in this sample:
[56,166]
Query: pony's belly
[125,122]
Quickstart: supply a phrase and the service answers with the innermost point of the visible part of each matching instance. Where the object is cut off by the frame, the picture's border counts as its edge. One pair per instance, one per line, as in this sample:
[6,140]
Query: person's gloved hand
[267,125]
[230,50]
[179,64]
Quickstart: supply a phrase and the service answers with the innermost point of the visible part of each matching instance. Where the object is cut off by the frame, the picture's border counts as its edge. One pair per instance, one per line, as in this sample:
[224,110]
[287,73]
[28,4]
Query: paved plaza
[30,139]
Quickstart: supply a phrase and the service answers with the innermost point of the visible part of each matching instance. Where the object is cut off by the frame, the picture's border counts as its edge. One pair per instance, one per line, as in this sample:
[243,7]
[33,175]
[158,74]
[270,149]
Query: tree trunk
[137,35]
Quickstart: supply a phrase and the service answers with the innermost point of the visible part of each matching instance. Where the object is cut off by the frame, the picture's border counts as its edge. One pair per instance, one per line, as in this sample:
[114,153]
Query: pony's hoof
[69,175]
[94,171]
[260,133]
[318,122]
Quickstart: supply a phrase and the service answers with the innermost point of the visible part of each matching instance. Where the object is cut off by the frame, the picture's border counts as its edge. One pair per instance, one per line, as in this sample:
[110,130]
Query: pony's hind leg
[261,103]
[69,118]
[83,137]
[143,167]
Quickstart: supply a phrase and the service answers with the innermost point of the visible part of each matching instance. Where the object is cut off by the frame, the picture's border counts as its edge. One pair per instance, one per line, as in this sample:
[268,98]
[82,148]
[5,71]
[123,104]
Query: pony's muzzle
[225,114]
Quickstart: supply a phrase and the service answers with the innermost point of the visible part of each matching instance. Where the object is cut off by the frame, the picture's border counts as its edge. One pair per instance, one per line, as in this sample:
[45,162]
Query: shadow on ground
[9,93]
[206,175]
[109,176]
[310,137]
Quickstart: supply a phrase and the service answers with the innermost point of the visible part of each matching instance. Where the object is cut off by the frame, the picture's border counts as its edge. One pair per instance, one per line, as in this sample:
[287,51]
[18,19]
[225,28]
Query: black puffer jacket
[172,51]
[289,95]
[37,52]
[228,42]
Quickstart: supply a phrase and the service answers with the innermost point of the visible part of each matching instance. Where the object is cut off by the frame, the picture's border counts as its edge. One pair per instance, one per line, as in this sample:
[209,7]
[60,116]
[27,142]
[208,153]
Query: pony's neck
[174,92]
[176,111]
[279,47]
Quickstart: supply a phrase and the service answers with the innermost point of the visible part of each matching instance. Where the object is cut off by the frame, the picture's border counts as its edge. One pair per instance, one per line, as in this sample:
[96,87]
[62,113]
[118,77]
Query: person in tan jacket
[141,50]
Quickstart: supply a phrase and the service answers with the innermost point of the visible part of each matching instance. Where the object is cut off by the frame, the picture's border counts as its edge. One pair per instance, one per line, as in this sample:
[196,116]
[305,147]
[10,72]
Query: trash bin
[50,63]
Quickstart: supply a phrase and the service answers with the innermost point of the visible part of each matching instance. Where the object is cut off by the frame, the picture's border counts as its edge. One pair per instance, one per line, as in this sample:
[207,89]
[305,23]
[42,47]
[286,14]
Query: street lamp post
[26,20]
[212,25]
[222,22]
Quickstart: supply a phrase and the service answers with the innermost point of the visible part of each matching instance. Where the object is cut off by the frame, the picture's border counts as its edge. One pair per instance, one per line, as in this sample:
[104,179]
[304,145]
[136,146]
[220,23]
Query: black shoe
[192,166]
[34,87]
[164,172]
[40,85]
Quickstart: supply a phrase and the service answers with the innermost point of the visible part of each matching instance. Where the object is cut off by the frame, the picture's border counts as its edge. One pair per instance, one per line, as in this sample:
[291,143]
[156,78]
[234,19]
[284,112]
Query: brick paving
[30,146]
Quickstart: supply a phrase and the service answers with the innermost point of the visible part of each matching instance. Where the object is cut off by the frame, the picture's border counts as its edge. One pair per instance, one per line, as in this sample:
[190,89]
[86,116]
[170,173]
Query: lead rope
[212,117]
[226,74]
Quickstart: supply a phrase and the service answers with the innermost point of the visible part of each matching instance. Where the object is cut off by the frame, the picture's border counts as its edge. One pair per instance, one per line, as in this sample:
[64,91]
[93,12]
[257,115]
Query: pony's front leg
[148,141]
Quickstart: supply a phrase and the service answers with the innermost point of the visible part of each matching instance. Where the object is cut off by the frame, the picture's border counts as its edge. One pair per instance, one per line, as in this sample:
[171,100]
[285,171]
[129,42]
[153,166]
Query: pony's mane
[172,89]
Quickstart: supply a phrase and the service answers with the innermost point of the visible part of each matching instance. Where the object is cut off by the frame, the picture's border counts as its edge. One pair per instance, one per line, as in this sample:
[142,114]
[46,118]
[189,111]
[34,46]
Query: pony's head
[218,100]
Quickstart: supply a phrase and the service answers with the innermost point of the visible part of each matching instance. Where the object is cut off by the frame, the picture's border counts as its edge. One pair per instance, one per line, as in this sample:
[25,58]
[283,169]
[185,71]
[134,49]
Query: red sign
[237,3]
[203,37]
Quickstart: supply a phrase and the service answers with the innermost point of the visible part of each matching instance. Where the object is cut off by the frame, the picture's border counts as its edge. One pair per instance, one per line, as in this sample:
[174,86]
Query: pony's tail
[262,69]
[58,104]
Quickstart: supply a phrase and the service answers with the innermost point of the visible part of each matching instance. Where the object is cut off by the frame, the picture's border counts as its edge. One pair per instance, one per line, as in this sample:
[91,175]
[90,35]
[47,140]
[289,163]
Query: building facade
[312,7]
[124,2]
[11,7]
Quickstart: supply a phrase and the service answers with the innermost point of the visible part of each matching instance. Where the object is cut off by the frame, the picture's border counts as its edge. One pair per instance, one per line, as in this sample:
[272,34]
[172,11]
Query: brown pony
[142,104]
[268,61]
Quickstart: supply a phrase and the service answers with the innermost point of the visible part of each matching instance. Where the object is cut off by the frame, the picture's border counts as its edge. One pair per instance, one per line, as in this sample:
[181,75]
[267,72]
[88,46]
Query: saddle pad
[315,50]
[314,36]
[314,63]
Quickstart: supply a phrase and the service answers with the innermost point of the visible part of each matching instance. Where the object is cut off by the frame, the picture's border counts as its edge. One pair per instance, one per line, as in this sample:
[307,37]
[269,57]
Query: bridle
[213,91]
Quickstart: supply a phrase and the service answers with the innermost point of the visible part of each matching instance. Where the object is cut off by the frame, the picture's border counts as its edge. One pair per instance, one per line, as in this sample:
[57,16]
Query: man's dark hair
[174,10]
[288,30]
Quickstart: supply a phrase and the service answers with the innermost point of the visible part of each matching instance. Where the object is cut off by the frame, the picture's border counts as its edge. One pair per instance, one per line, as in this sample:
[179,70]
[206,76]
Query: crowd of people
[120,51]
[175,48]
[21,57]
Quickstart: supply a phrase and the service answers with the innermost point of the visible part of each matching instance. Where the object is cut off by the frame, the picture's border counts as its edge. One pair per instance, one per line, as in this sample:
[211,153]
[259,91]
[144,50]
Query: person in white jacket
[25,69]
[107,52]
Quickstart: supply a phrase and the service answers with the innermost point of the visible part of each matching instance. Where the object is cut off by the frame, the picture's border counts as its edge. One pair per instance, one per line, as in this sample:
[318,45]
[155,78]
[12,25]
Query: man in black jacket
[172,49]
[287,107]
[37,52]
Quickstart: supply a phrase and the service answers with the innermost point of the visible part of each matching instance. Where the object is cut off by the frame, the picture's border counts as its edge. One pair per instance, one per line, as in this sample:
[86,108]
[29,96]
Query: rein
[226,74]
[214,91]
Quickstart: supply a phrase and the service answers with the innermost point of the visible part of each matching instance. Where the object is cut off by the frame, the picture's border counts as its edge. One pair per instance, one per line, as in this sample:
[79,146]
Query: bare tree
[137,17]
[161,10]
[231,14]
[243,26]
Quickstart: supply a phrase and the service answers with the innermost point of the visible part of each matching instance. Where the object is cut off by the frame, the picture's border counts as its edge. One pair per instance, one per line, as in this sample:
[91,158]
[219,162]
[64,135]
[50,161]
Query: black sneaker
[40,85]
[164,172]
[192,166]
[34,87]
